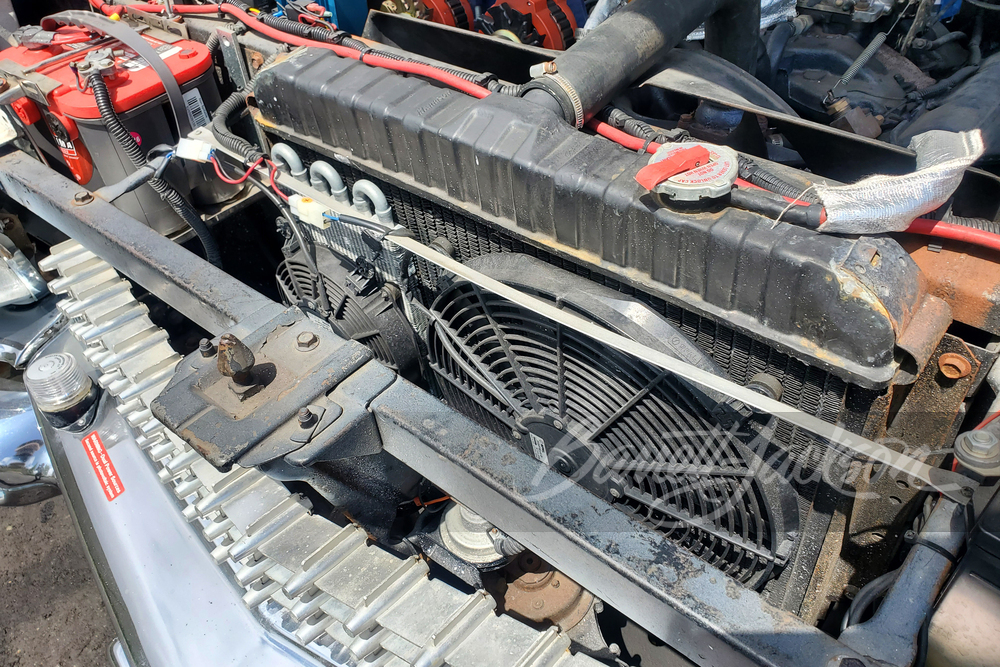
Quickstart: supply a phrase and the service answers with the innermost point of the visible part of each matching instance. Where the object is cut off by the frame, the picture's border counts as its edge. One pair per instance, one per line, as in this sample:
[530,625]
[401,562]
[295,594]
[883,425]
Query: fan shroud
[554,393]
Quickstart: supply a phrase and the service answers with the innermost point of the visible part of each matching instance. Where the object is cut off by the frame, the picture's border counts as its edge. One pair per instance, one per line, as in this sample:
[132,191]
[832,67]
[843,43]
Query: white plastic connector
[193,149]
[309,211]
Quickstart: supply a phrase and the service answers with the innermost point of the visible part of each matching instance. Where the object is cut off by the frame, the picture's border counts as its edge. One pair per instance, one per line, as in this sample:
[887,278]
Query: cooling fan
[361,308]
[664,450]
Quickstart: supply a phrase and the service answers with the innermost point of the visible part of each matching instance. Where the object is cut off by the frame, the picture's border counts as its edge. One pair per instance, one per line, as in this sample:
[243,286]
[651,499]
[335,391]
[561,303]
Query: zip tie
[791,204]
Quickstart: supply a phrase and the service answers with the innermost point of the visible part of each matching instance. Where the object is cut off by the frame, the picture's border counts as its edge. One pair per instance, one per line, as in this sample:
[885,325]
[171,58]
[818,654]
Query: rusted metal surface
[257,422]
[954,366]
[533,590]
[921,419]
[665,589]
[964,276]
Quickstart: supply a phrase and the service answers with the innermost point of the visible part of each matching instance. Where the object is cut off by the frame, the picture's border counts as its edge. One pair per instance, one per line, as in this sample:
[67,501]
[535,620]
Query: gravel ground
[51,611]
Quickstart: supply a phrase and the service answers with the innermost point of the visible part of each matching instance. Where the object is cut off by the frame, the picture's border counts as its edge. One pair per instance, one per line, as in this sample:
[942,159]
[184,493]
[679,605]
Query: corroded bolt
[306,341]
[306,417]
[954,366]
[83,197]
[236,360]
[206,348]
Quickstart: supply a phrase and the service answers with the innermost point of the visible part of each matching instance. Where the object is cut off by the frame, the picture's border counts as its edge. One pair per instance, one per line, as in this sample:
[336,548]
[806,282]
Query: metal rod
[204,294]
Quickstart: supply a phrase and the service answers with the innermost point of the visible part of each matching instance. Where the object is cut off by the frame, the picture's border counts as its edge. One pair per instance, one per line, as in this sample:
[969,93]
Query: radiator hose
[591,72]
[128,144]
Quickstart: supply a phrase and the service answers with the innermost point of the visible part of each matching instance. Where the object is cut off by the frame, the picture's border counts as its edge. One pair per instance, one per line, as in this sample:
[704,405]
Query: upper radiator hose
[595,69]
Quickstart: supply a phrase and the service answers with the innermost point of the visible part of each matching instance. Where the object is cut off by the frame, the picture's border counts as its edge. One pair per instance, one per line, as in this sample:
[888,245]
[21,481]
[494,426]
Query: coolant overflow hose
[128,144]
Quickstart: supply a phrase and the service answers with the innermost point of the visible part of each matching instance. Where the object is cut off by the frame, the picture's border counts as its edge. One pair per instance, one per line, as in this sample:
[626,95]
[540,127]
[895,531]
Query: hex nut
[306,341]
[980,444]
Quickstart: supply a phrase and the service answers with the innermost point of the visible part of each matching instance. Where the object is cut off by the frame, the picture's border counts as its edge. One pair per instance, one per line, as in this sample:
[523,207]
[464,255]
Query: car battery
[68,122]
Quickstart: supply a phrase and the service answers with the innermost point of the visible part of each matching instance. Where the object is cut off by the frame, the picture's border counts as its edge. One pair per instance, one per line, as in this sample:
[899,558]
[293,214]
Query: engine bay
[650,328]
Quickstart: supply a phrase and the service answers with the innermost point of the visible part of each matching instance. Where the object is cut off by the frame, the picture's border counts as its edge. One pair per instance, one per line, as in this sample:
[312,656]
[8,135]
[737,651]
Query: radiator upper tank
[848,305]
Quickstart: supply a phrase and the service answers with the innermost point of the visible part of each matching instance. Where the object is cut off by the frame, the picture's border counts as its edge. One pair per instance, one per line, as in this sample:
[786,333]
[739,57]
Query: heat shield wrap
[881,204]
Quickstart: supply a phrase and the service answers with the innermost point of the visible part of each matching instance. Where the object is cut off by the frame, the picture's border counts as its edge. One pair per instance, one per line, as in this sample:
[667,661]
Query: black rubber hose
[624,47]
[870,592]
[321,34]
[774,207]
[754,173]
[944,39]
[776,43]
[944,85]
[621,120]
[128,144]
[975,43]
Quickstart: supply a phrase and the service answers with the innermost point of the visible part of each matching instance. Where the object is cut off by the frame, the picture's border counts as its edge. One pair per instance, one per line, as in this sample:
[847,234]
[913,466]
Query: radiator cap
[708,181]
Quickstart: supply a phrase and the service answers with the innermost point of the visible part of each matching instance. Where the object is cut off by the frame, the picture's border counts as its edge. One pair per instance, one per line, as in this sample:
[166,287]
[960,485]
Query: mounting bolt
[306,417]
[615,493]
[515,434]
[306,341]
[968,491]
[954,366]
[978,444]
[236,360]
[206,348]
[83,197]
[558,424]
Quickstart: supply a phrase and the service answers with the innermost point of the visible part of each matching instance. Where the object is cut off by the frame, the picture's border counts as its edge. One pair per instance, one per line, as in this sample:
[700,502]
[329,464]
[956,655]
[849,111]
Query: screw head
[558,424]
[83,197]
[306,341]
[615,493]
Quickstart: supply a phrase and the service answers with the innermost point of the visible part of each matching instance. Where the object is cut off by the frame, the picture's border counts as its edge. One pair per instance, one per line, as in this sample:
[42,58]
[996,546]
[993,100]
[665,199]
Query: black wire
[380,229]
[181,206]
[324,300]
[870,592]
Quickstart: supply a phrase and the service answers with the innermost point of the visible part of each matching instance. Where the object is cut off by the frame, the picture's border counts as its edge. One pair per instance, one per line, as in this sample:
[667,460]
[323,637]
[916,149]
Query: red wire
[922,226]
[987,421]
[947,230]
[221,174]
[622,138]
[274,186]
[420,69]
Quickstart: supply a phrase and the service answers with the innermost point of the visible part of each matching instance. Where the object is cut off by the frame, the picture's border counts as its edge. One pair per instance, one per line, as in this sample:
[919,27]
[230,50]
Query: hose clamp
[574,98]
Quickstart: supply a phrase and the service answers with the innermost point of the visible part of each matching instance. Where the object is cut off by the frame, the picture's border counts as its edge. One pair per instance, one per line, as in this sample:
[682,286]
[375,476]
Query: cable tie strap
[911,537]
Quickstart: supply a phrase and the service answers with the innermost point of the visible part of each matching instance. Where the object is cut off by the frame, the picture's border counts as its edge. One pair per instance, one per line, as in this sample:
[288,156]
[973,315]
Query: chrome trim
[26,473]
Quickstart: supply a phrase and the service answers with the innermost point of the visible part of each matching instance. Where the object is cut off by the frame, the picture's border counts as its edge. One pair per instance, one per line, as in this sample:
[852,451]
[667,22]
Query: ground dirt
[51,612]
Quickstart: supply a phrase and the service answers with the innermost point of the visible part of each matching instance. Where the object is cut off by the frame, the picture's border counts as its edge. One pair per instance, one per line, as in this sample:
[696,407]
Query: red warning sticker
[105,469]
